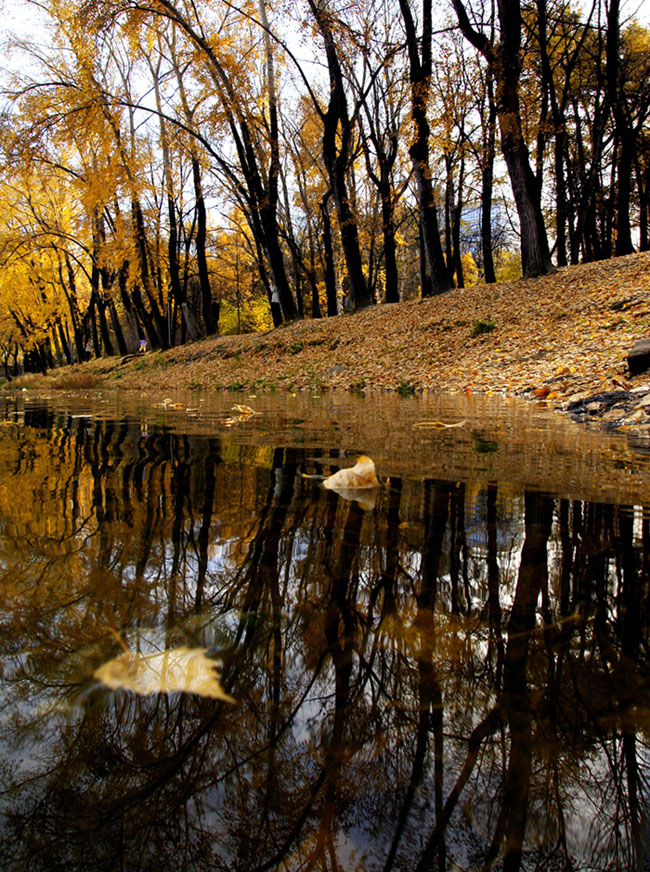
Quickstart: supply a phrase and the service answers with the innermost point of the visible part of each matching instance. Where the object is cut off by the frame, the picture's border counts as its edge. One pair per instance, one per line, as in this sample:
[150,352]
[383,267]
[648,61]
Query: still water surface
[208,661]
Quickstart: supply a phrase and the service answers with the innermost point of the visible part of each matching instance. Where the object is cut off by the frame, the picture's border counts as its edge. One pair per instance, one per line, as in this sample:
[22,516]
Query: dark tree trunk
[337,156]
[419,75]
[209,307]
[623,132]
[158,338]
[504,60]
[487,181]
[70,291]
[65,346]
[328,254]
[117,329]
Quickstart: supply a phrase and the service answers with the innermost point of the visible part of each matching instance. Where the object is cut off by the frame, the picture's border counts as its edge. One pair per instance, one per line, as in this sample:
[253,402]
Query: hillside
[559,338]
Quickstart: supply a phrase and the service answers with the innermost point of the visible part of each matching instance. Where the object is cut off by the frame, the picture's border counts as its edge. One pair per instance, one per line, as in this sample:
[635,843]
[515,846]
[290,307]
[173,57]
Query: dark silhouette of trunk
[487,184]
[504,59]
[158,334]
[328,256]
[178,293]
[456,261]
[209,307]
[388,230]
[117,329]
[420,65]
[70,291]
[63,339]
[337,146]
[515,701]
[559,129]
[622,130]
[91,324]
[385,144]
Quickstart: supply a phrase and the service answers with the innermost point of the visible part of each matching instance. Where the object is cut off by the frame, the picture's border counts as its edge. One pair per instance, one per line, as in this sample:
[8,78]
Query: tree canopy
[172,169]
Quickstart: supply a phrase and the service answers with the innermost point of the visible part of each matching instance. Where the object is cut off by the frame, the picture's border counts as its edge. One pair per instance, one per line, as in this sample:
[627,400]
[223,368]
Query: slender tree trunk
[70,291]
[419,74]
[178,294]
[337,148]
[328,255]
[457,220]
[117,329]
[505,63]
[388,229]
[622,130]
[160,338]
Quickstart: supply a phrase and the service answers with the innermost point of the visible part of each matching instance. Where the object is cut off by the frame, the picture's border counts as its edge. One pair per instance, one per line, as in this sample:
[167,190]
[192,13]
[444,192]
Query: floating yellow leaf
[439,425]
[187,670]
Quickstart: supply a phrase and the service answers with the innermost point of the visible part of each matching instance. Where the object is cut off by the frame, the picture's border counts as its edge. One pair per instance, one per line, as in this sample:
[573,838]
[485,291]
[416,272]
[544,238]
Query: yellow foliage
[470,269]
[252,317]
[507,266]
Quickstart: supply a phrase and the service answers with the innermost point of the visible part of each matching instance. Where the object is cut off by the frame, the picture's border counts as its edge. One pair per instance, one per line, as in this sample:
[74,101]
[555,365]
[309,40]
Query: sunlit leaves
[184,670]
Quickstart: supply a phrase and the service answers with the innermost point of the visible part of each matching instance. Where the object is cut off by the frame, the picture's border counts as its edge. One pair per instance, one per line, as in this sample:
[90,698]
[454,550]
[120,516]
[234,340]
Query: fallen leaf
[362,475]
[186,670]
[439,425]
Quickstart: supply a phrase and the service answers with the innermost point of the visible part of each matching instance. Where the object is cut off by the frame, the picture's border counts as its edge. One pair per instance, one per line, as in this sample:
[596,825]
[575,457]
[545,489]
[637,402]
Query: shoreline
[562,340]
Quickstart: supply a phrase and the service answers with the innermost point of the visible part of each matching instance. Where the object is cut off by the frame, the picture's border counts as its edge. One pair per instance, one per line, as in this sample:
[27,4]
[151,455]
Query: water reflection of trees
[420,685]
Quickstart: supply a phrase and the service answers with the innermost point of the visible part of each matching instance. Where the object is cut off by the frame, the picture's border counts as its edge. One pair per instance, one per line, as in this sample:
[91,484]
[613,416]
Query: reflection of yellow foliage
[187,670]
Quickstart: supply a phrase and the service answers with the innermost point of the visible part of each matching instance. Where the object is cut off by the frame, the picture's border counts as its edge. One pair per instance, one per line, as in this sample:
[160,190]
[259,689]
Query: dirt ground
[561,339]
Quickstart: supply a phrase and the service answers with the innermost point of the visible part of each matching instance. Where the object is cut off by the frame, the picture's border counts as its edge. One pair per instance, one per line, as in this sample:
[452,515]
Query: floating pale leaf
[362,475]
[244,410]
[187,670]
[439,425]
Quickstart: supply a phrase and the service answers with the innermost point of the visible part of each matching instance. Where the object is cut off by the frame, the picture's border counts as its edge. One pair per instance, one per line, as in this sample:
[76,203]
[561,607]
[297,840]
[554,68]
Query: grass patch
[483,325]
[75,381]
[406,389]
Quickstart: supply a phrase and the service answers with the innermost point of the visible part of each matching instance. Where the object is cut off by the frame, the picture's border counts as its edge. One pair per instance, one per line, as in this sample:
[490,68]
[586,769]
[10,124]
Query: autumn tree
[503,55]
[420,67]
[338,151]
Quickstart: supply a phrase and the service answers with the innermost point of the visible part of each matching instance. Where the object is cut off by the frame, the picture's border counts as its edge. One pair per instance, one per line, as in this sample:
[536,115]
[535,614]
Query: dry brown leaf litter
[555,338]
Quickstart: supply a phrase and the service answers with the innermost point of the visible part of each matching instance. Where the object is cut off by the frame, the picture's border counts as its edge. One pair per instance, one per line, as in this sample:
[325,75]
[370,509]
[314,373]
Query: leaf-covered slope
[557,337]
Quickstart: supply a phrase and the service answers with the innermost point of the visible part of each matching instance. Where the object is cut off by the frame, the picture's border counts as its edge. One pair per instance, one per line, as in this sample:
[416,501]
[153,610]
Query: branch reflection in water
[453,675]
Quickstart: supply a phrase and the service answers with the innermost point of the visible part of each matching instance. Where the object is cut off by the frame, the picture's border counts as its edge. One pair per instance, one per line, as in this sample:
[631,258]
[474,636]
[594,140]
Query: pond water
[209,661]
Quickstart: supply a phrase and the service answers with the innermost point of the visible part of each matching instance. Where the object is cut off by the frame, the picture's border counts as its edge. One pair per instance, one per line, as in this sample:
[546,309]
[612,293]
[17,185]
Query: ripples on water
[449,674]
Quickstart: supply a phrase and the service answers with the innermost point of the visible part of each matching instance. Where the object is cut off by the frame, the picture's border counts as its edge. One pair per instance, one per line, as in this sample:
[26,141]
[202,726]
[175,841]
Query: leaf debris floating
[184,670]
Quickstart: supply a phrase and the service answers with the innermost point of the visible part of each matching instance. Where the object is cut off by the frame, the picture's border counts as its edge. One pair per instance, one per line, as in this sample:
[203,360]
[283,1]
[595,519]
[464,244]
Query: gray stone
[638,359]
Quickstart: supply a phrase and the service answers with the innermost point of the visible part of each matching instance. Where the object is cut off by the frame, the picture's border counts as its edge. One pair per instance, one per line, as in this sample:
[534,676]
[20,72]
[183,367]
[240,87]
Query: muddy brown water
[210,661]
